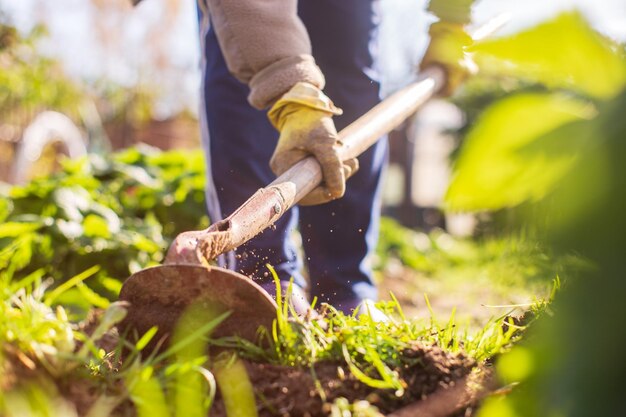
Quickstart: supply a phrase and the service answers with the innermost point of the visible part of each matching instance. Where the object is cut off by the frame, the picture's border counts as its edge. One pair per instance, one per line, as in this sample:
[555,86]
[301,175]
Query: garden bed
[295,392]
[279,390]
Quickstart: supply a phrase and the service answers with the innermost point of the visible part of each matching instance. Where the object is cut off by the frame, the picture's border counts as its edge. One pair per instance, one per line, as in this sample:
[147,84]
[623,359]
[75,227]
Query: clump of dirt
[76,389]
[292,392]
[14,367]
[519,323]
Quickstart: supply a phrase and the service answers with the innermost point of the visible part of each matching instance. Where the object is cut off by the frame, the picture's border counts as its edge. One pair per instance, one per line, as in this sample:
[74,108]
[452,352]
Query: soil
[291,392]
[284,391]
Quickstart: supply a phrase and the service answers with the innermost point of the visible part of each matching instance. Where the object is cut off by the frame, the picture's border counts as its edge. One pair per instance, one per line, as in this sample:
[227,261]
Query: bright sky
[71,25]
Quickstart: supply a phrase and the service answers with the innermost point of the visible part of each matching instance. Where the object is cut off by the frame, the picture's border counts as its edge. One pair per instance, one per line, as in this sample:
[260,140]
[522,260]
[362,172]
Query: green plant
[30,81]
[116,212]
[560,151]
[37,333]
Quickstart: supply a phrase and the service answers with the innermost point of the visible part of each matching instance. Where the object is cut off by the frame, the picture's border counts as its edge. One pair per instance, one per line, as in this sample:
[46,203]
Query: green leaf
[19,253]
[236,389]
[14,229]
[111,284]
[183,339]
[6,205]
[144,244]
[146,338]
[146,393]
[34,279]
[72,282]
[96,226]
[517,151]
[91,296]
[561,53]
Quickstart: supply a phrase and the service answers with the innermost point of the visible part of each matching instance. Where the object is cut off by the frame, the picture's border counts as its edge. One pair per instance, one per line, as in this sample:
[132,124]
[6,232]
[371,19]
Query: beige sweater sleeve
[265,45]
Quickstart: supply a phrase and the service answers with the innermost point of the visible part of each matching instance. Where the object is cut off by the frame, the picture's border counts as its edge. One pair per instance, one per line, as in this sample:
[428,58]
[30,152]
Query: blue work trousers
[338,238]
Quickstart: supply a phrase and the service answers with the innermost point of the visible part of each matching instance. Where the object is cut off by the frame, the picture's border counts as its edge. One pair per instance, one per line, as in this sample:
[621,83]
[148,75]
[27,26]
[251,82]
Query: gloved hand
[303,116]
[447,48]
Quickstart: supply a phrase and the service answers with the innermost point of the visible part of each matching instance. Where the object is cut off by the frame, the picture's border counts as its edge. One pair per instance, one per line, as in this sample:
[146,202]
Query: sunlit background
[156,43]
[136,70]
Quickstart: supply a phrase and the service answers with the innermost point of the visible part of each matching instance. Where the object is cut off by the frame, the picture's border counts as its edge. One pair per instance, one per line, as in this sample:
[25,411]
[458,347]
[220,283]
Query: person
[265,66]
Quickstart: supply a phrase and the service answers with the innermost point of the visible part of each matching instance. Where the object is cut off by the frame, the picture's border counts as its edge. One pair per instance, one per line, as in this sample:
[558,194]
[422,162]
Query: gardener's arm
[448,40]
[265,45]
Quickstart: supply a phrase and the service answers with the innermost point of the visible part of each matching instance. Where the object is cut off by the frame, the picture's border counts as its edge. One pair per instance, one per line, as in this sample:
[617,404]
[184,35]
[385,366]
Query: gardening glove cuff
[448,50]
[303,116]
[303,94]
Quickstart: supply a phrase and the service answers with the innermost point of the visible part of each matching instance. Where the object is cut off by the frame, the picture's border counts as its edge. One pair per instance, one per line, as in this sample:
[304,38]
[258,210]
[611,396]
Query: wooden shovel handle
[268,204]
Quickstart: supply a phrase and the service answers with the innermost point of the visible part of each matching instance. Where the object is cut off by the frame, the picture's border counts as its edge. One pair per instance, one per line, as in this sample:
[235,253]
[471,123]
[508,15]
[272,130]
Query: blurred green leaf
[510,155]
[74,281]
[143,244]
[100,210]
[96,226]
[146,393]
[5,206]
[562,53]
[146,338]
[14,229]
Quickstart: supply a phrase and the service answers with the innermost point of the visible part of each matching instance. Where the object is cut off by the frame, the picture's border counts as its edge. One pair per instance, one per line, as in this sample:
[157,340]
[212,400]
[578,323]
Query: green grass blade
[193,336]
[54,294]
[146,338]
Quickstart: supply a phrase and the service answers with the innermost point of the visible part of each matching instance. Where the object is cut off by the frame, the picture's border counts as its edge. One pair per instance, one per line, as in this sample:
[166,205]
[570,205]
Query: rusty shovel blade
[158,296]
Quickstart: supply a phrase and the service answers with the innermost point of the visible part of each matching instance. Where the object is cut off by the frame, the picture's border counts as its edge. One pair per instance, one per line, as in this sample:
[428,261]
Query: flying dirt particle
[360,230]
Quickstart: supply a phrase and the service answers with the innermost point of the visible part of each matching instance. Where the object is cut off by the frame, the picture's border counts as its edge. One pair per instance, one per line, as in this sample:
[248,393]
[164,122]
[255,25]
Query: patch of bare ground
[295,392]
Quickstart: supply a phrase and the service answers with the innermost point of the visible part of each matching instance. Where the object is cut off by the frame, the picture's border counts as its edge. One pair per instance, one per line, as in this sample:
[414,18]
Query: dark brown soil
[291,392]
[280,391]
[18,372]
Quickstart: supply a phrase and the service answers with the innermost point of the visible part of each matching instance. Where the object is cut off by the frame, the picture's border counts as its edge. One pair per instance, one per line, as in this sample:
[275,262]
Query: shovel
[159,295]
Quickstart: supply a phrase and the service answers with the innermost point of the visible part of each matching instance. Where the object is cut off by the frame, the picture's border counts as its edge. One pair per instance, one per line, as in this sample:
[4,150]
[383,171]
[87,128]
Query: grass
[40,347]
[179,382]
[39,335]
[373,350]
[479,278]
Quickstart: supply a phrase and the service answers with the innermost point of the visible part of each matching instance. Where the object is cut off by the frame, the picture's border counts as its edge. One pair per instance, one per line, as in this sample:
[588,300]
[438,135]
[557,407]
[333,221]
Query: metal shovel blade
[158,296]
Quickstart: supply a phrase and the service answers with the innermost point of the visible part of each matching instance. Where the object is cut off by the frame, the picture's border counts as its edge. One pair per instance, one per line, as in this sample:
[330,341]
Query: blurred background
[117,76]
[537,145]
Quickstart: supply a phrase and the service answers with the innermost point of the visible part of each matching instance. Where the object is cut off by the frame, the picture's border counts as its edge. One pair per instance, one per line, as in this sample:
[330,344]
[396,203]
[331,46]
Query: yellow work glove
[447,49]
[303,116]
